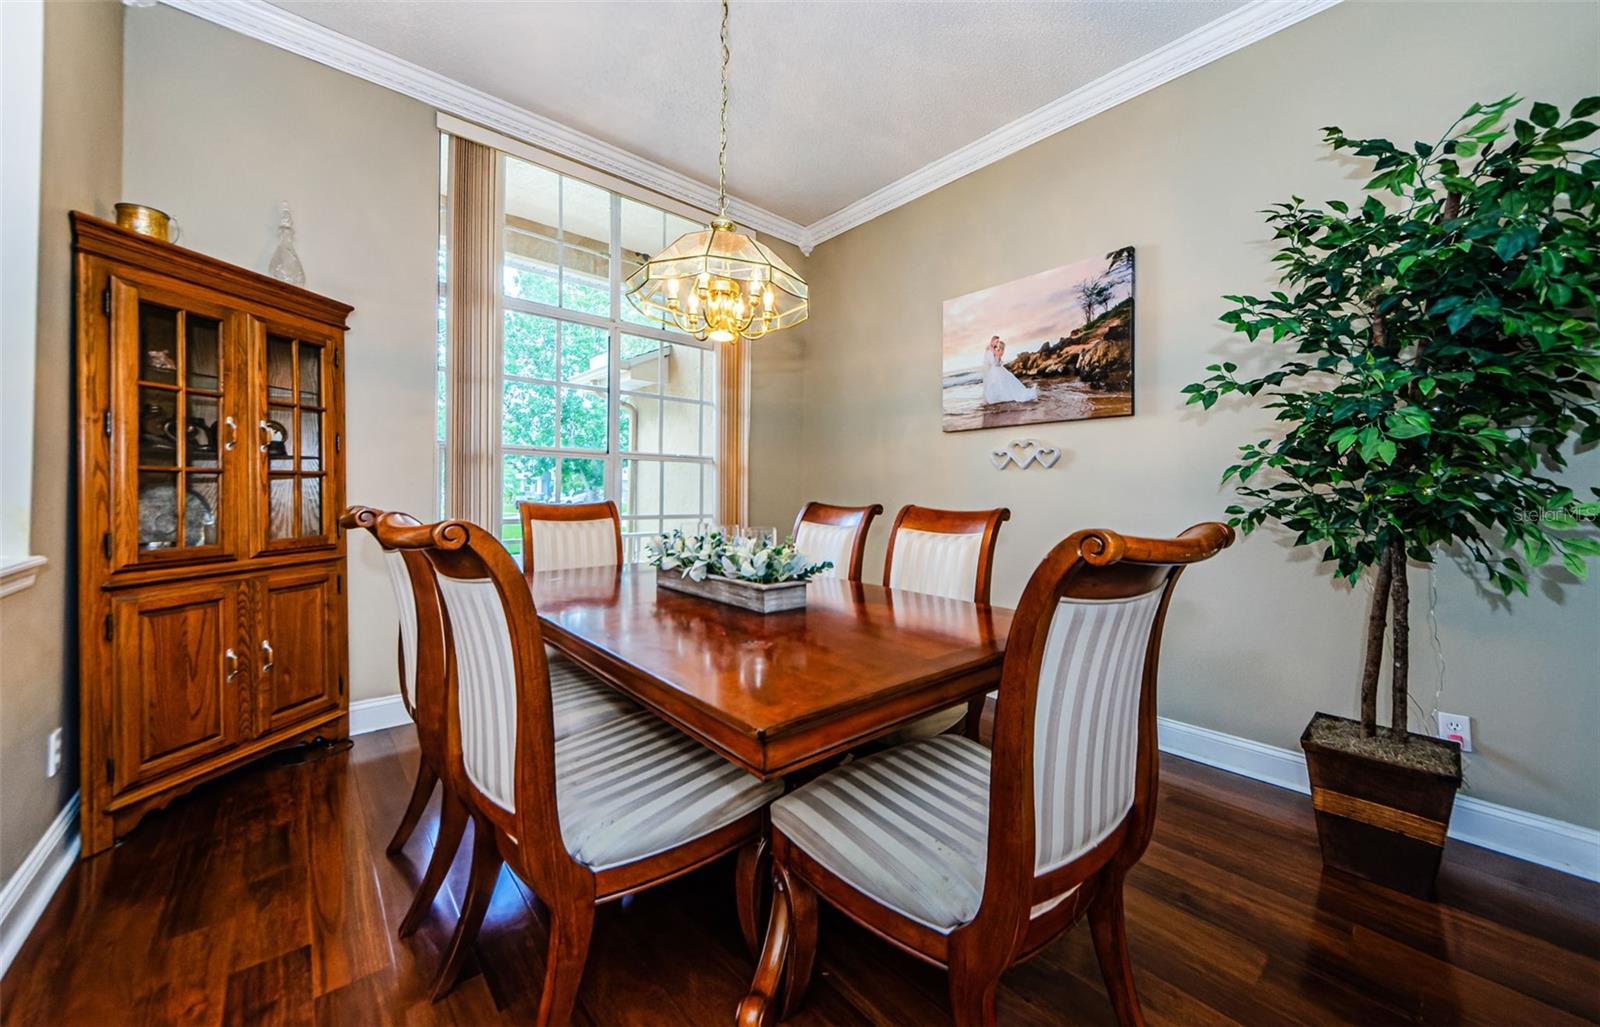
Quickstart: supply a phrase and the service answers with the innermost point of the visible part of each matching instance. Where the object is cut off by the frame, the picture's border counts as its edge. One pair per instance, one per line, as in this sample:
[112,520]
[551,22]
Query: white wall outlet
[52,758]
[1456,728]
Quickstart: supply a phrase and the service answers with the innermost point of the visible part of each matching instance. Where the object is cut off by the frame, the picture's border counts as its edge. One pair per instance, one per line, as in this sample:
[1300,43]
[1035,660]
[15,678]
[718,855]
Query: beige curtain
[733,392]
[472,441]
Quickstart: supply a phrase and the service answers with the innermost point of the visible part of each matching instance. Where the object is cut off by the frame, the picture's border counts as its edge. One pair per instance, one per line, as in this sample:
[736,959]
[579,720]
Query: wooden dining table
[780,691]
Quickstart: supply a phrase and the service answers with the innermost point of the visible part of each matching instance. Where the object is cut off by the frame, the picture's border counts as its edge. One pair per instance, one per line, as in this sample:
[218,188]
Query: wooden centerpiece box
[210,437]
[748,595]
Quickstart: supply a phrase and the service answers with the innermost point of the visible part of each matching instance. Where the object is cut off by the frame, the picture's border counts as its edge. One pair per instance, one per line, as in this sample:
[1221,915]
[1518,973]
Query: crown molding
[260,20]
[1239,28]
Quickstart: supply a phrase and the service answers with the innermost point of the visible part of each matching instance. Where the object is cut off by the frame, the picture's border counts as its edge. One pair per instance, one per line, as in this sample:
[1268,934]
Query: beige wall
[81,171]
[1260,637]
[218,129]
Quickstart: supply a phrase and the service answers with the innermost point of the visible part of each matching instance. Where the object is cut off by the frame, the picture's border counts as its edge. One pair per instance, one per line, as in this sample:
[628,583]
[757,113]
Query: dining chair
[947,553]
[975,859]
[583,819]
[562,536]
[422,692]
[837,534]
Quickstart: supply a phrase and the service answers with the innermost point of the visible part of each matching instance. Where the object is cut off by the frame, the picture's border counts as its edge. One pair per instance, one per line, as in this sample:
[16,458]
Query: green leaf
[1544,115]
[1574,563]
[1586,106]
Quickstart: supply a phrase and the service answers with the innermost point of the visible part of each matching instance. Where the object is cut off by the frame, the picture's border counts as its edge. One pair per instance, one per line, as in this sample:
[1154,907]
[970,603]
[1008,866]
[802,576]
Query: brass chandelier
[719,284]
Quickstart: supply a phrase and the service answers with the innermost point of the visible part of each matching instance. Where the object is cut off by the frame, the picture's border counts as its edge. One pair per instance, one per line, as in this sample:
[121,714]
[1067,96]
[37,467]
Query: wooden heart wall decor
[1023,452]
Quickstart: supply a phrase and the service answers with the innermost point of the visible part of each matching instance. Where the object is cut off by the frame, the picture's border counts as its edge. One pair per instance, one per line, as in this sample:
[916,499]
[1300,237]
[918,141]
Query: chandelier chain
[722,148]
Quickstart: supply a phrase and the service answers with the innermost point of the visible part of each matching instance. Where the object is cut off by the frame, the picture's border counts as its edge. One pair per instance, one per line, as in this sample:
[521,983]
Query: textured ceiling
[831,100]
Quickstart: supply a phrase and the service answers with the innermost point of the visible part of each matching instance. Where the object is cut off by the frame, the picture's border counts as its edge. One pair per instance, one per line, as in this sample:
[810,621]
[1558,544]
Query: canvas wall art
[1055,346]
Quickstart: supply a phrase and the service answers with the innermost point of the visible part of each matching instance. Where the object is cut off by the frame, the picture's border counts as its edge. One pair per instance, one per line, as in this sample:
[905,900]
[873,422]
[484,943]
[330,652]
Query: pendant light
[718,283]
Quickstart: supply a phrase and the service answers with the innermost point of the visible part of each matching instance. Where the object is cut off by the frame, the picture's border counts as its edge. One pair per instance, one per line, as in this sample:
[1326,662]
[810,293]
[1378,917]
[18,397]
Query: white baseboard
[1553,843]
[25,896]
[367,715]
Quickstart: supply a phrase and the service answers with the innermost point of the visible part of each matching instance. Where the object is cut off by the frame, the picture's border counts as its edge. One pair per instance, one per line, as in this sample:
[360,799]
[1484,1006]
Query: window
[596,403]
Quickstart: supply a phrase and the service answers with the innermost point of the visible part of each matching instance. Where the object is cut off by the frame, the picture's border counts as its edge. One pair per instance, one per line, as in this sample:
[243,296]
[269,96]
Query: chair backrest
[421,648]
[944,552]
[501,737]
[1073,780]
[561,536]
[836,533]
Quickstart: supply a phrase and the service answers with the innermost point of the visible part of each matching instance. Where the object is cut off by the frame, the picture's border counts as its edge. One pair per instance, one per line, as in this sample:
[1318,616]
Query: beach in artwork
[1056,346]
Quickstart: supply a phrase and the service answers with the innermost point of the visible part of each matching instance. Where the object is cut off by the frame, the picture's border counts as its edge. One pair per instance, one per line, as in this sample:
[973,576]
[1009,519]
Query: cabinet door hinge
[105,422]
[111,769]
[109,630]
[341,684]
[338,442]
[105,544]
[335,358]
[105,301]
[338,584]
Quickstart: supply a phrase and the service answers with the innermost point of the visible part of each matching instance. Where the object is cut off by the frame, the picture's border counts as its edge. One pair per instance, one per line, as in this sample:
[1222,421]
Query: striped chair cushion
[487,693]
[562,545]
[826,542]
[1086,722]
[580,700]
[908,827]
[400,581]
[638,786]
[936,563]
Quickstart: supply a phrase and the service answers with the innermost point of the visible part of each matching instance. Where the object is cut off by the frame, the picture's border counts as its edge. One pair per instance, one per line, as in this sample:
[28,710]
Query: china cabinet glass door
[296,442]
[178,380]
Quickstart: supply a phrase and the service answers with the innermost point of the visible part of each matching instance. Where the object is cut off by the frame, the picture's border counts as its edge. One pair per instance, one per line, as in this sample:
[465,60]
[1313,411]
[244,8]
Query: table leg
[759,1008]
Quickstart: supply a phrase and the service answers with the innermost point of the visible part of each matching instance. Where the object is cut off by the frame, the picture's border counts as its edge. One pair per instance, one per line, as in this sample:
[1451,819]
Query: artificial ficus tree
[1445,355]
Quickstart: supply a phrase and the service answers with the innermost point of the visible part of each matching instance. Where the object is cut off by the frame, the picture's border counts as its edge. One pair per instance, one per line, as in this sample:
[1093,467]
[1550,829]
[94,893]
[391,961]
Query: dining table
[774,692]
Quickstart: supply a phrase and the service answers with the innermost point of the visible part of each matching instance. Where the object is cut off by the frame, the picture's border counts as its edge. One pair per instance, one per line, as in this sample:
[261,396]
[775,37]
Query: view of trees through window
[596,402]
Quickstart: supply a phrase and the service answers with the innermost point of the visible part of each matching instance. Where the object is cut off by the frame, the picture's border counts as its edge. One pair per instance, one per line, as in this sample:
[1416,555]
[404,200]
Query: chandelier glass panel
[719,284]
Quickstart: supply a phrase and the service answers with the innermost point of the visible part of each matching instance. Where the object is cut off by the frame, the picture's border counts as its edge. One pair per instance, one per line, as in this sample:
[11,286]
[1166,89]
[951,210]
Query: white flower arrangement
[745,559]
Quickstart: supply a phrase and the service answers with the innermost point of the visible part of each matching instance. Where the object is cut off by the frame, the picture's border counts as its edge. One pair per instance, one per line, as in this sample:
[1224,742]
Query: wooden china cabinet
[211,612]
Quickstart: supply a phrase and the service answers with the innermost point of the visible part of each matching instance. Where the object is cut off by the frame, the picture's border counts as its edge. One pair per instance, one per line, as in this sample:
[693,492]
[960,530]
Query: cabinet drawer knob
[266,649]
[233,663]
[233,433]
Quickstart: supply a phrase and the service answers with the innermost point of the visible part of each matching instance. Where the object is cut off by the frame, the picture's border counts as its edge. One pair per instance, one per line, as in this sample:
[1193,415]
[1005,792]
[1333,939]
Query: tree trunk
[1377,620]
[1400,596]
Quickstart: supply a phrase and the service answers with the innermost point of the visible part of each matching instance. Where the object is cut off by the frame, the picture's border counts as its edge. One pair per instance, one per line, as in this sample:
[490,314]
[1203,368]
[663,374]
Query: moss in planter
[1419,752]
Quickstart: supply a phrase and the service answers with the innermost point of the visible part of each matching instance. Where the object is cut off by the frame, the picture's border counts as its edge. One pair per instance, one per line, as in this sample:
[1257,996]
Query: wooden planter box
[1380,820]
[785,595]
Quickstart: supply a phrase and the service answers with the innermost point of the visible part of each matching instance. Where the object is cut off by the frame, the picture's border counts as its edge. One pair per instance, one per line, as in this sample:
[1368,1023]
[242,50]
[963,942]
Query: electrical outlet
[1456,728]
[52,759]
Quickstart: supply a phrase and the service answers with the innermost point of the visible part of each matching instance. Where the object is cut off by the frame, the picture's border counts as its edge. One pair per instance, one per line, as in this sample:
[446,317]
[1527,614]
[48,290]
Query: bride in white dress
[999,384]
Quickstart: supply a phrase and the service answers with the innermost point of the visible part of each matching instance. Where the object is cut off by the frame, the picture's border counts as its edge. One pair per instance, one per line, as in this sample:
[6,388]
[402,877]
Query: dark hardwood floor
[266,898]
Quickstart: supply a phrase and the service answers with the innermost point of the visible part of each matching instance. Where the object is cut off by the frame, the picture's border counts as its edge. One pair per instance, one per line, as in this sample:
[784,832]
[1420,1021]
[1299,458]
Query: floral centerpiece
[750,571]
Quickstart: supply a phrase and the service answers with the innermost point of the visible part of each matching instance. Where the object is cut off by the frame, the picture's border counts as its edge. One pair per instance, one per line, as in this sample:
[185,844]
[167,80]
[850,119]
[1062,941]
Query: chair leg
[754,869]
[972,996]
[452,825]
[480,889]
[570,928]
[803,951]
[1111,947]
[421,792]
[756,1009]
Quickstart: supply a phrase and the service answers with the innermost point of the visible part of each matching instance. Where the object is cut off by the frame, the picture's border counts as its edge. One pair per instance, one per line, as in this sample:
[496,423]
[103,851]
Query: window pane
[585,247]
[643,432]
[680,429]
[533,217]
[583,481]
[682,484]
[583,354]
[528,477]
[530,345]
[641,363]
[528,415]
[583,419]
[640,494]
[684,371]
